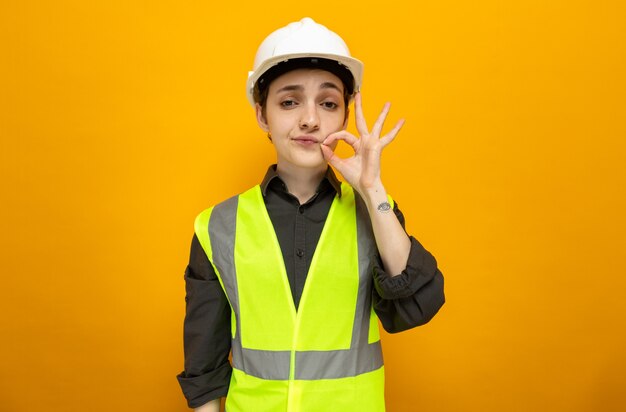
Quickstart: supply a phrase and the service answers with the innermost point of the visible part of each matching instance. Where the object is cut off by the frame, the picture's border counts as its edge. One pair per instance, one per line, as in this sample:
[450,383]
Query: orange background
[120,121]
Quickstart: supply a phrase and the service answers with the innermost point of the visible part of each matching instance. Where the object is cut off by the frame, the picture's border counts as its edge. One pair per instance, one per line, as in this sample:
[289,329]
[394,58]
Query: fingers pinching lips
[341,135]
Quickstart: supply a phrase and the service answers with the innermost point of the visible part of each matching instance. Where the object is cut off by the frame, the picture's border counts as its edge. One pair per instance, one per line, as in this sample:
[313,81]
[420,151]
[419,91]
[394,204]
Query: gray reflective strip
[266,364]
[338,363]
[367,252]
[222,225]
[360,358]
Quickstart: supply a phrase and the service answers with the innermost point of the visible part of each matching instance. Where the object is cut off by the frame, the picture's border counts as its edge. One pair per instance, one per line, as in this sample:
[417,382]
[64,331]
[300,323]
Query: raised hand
[362,170]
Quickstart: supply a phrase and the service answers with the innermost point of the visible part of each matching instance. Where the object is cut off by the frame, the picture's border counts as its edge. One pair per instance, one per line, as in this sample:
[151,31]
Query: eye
[330,105]
[288,103]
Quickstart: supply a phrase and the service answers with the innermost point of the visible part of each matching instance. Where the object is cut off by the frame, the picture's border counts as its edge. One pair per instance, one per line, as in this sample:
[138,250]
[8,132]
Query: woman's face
[303,107]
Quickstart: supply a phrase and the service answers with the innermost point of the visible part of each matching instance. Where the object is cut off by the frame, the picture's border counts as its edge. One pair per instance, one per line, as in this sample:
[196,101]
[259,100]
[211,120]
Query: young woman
[292,276]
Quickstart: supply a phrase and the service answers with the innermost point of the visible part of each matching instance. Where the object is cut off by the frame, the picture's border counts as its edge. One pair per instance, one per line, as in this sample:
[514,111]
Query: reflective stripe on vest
[334,333]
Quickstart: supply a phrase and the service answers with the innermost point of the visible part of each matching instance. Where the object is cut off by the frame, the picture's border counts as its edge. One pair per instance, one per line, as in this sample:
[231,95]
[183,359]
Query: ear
[345,121]
[260,119]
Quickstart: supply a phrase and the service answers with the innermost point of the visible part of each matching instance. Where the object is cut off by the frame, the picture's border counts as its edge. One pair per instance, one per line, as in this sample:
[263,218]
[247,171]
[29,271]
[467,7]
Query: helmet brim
[355,67]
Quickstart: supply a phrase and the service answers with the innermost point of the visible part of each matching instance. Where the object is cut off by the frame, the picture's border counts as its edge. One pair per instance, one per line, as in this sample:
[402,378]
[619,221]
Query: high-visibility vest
[324,356]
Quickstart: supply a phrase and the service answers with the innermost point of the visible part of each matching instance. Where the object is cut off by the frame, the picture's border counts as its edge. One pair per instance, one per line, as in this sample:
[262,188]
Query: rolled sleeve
[199,390]
[206,333]
[411,298]
[421,267]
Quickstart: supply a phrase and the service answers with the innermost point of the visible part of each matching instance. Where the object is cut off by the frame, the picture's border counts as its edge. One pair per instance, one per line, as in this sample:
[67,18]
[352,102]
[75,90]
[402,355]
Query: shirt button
[301,209]
[299,253]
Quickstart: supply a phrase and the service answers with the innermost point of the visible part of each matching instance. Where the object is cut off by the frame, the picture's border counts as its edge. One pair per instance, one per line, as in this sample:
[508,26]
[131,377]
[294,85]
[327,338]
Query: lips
[306,140]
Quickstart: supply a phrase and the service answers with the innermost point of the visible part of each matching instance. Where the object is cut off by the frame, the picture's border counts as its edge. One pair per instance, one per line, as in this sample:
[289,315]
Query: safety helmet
[299,40]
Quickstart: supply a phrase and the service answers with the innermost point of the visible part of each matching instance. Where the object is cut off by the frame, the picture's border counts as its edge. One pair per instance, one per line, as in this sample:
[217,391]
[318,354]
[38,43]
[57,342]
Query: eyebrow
[297,87]
[330,85]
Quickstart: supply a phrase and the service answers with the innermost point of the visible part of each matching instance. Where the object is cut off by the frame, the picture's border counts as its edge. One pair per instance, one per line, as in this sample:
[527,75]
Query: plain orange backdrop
[120,121]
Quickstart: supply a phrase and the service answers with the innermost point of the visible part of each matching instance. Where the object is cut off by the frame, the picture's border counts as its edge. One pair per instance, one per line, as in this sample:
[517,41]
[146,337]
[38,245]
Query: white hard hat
[302,39]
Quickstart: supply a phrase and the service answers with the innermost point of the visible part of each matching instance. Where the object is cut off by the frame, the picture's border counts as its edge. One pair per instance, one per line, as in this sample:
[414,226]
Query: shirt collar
[271,174]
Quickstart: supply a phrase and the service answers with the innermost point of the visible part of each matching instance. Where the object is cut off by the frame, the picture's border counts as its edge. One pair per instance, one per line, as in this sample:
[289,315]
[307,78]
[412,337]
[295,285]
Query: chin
[313,162]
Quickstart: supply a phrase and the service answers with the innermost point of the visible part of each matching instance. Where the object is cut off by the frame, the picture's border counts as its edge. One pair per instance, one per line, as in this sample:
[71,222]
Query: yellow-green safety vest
[325,356]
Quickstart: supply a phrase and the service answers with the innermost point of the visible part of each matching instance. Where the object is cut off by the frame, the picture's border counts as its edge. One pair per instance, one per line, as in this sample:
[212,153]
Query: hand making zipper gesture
[362,170]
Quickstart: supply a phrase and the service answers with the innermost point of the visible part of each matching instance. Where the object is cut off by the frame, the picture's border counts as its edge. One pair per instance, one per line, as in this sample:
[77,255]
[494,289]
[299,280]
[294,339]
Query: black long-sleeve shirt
[401,302]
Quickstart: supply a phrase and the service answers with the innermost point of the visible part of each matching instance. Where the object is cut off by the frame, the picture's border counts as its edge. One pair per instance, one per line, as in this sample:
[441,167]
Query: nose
[309,118]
